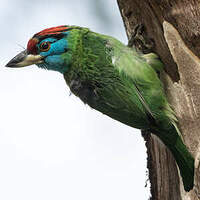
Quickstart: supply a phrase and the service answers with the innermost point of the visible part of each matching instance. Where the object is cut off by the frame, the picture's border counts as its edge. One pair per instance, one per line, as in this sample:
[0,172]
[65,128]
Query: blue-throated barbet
[113,79]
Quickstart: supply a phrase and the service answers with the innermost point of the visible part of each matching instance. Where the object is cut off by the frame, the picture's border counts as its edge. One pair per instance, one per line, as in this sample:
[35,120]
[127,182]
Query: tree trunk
[174,29]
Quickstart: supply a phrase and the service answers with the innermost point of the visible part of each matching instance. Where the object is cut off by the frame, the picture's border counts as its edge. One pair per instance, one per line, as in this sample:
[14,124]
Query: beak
[24,59]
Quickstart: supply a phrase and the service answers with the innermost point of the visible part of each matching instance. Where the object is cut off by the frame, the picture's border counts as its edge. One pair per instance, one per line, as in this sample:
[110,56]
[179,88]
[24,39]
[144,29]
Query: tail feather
[185,162]
[183,157]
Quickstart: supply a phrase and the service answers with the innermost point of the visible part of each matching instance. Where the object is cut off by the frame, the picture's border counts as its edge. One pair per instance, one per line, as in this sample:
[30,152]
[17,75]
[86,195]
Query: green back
[127,88]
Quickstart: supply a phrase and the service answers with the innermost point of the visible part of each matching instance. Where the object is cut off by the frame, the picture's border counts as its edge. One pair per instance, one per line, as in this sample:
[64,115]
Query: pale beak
[24,59]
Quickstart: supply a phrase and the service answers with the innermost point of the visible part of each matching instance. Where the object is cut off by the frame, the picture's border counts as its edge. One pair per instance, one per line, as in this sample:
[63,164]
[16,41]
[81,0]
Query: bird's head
[47,49]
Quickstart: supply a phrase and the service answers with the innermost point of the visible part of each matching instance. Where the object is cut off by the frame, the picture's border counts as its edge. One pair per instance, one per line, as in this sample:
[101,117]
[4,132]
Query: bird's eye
[45,46]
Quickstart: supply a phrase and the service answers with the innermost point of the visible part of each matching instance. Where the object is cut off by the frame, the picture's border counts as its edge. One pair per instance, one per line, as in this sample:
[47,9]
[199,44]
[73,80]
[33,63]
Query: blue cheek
[55,62]
[57,48]
[53,58]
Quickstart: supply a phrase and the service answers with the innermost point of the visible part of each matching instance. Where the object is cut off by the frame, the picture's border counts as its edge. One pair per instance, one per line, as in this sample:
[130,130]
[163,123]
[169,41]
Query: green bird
[113,79]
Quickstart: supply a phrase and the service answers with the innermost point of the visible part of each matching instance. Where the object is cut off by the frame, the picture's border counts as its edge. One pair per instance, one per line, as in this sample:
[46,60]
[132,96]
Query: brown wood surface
[174,27]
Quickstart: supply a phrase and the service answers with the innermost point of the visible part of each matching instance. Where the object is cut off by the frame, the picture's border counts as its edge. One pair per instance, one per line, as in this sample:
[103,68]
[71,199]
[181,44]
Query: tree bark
[174,28]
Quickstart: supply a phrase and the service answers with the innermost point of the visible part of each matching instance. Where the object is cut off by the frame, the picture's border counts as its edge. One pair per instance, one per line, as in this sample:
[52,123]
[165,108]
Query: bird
[113,79]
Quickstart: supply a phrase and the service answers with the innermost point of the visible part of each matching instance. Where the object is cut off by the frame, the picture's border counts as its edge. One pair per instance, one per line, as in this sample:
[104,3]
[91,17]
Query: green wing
[143,78]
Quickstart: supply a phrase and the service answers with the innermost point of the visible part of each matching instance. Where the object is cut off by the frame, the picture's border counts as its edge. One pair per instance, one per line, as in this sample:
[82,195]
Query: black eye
[45,46]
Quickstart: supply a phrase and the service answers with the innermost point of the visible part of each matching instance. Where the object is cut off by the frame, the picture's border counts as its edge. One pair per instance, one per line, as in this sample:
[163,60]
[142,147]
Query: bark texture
[173,26]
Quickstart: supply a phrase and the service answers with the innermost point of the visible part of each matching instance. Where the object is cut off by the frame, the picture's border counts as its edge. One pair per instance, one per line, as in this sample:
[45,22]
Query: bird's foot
[140,40]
